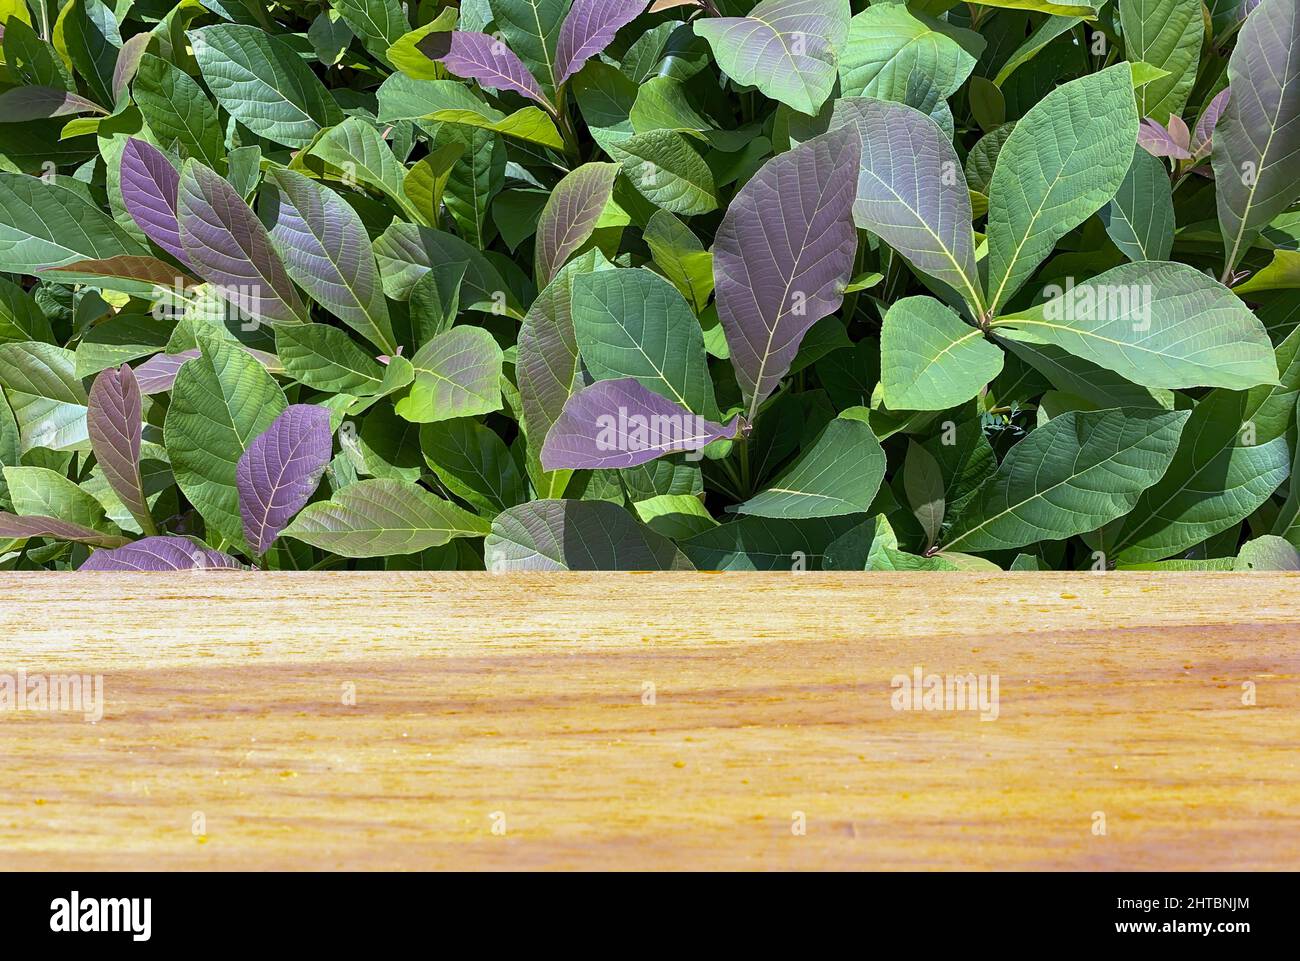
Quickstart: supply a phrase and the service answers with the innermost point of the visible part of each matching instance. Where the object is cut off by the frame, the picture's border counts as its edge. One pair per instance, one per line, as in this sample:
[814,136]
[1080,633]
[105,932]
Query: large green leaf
[357,149]
[374,518]
[1165,34]
[887,44]
[785,48]
[633,323]
[1063,161]
[457,374]
[1070,476]
[40,492]
[766,544]
[379,23]
[46,395]
[930,359]
[91,37]
[668,171]
[177,111]
[531,29]
[221,401]
[263,83]
[44,225]
[570,535]
[1155,324]
[1232,457]
[474,464]
[838,474]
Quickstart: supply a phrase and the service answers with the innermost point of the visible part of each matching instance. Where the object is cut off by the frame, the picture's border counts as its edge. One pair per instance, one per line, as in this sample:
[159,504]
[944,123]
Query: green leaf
[1267,553]
[924,487]
[263,83]
[20,317]
[633,323]
[765,544]
[676,516]
[887,44]
[378,23]
[1232,457]
[839,474]
[1070,476]
[178,112]
[667,171]
[221,401]
[47,225]
[40,492]
[930,359]
[1063,161]
[374,518]
[1155,324]
[47,397]
[473,462]
[406,55]
[785,48]
[681,257]
[1257,140]
[531,29]
[326,358]
[357,149]
[570,535]
[457,374]
[1165,34]
[1141,217]
[92,39]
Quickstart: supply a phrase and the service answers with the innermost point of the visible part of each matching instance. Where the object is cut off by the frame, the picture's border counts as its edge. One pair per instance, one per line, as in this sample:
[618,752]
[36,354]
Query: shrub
[539,284]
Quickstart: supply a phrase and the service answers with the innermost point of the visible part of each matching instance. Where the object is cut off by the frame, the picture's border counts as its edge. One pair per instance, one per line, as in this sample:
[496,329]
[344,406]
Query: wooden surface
[522,697]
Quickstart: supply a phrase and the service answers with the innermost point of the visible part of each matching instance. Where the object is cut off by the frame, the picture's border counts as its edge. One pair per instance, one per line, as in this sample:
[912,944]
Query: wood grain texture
[523,695]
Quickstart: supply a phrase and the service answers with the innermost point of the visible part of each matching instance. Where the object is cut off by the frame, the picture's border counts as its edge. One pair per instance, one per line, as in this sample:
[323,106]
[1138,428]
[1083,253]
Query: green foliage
[570,285]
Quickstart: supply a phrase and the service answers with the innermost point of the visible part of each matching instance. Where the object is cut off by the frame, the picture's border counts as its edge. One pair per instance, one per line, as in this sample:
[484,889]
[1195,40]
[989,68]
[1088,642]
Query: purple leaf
[280,471]
[149,185]
[570,216]
[115,425]
[1159,142]
[33,525]
[910,191]
[620,423]
[157,554]
[546,365]
[782,255]
[228,247]
[477,56]
[326,250]
[1203,139]
[588,29]
[36,103]
[158,373]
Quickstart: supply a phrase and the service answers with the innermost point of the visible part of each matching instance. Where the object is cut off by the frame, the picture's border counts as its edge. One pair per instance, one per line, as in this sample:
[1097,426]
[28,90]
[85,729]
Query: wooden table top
[653,721]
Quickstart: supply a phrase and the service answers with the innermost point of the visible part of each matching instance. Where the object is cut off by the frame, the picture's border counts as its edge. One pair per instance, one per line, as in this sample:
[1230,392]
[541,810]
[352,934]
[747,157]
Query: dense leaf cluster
[604,284]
